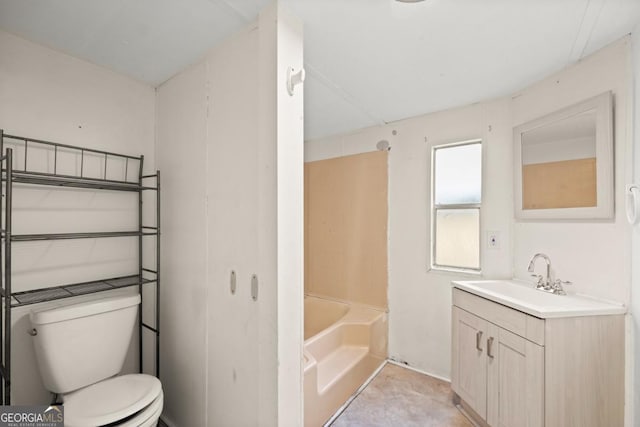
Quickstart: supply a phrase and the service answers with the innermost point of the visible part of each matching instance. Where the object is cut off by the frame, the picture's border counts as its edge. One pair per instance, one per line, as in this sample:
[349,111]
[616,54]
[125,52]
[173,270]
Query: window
[455,199]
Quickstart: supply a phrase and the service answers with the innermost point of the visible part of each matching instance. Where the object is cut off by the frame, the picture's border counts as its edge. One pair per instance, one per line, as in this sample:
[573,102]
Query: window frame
[457,206]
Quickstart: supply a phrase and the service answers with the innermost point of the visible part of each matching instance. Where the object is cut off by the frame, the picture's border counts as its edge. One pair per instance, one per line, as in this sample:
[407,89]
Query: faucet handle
[539,281]
[557,286]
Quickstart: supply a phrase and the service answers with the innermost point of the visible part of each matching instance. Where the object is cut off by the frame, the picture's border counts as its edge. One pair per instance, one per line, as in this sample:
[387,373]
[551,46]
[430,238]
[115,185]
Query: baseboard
[467,415]
[420,371]
[166,421]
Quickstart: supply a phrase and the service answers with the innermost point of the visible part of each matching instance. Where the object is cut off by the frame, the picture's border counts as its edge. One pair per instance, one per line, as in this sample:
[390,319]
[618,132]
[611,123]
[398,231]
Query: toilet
[80,349]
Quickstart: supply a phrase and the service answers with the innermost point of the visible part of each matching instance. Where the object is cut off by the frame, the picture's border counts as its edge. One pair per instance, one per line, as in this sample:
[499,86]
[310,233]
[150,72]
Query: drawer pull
[489,345]
[479,340]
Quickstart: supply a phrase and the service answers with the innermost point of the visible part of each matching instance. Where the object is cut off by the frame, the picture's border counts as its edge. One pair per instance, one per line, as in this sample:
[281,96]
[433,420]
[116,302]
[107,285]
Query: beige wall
[52,96]
[565,184]
[346,228]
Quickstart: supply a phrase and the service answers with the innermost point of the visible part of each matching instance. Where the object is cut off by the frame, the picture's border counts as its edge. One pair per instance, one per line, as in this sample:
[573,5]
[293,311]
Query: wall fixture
[632,192]
[294,79]
[383,145]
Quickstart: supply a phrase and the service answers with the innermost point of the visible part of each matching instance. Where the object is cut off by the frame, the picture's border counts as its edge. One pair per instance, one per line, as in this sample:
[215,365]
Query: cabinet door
[469,364]
[515,380]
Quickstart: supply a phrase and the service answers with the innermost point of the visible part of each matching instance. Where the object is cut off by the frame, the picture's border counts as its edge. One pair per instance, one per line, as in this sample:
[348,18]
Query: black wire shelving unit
[13,173]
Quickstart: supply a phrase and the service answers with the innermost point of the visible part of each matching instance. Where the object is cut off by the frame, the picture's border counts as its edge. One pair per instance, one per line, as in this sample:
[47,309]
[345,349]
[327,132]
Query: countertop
[524,297]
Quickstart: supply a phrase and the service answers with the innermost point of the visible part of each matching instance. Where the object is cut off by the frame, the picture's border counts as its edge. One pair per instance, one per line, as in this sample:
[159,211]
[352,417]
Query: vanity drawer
[529,327]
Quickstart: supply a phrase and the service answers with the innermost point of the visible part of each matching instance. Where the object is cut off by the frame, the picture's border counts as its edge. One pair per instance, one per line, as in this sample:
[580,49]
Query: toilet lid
[110,400]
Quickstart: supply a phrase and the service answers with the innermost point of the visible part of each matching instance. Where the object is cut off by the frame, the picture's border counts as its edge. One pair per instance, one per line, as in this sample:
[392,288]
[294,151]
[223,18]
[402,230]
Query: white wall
[232,148]
[595,255]
[48,95]
[53,96]
[234,168]
[229,142]
[289,135]
[181,130]
[200,151]
[559,150]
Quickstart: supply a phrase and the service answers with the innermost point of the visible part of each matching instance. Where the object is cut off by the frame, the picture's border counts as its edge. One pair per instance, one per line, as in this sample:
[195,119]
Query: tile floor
[401,397]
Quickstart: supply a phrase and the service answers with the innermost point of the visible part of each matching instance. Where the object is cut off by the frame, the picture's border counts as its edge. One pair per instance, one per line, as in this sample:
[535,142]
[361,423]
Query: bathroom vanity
[522,357]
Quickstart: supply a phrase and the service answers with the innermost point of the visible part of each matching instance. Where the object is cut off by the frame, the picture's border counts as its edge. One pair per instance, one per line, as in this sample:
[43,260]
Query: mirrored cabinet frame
[602,106]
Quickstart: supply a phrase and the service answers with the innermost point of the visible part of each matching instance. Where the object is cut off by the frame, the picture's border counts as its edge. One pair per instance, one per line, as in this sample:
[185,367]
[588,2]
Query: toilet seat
[112,400]
[148,417]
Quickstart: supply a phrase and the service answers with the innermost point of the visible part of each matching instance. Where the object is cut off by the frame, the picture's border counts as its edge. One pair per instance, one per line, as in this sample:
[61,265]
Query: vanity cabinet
[512,369]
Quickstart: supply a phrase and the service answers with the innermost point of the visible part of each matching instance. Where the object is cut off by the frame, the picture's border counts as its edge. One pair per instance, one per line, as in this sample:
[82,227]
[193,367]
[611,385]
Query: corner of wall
[633,412]
[155,127]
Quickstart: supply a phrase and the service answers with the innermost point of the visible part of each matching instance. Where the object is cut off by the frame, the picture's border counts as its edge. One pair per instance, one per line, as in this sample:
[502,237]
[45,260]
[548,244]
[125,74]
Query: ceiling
[368,62]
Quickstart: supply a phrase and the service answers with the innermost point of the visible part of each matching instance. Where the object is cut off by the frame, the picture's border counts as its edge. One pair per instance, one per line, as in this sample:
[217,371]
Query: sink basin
[524,297]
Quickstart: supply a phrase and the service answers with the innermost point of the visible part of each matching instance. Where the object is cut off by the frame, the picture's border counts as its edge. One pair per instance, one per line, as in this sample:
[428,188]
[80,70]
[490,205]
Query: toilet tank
[80,344]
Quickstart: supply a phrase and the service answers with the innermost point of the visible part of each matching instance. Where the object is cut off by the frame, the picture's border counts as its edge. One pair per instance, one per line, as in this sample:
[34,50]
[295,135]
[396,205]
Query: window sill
[450,271]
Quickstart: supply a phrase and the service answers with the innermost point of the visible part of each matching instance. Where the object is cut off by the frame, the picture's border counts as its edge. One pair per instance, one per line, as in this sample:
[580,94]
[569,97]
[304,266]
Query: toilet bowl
[80,349]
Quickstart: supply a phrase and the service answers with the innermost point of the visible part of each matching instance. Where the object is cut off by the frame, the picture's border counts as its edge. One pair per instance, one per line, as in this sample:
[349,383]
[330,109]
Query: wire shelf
[76,182]
[67,236]
[53,293]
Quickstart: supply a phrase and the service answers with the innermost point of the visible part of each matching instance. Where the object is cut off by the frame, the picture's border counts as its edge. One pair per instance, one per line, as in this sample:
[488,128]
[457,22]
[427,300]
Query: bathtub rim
[344,301]
[354,308]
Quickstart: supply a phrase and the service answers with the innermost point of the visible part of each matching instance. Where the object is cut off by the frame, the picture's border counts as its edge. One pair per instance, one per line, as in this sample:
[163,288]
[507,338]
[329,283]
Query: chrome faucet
[544,284]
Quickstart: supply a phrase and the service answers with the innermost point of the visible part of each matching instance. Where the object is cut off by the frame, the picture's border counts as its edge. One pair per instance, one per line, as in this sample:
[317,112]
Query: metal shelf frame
[22,174]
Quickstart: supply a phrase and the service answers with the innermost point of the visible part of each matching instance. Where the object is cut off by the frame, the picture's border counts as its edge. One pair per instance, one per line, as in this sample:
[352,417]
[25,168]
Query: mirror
[564,163]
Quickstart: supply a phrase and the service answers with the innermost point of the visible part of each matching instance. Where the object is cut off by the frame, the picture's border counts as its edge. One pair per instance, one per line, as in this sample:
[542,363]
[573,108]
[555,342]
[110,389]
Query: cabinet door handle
[489,345]
[479,340]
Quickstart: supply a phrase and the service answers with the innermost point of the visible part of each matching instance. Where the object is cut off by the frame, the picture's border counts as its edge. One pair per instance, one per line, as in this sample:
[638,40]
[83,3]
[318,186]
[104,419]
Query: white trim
[456,272]
[432,266]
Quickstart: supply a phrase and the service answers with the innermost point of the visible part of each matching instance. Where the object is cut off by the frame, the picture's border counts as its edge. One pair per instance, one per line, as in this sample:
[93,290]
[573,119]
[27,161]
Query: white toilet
[81,349]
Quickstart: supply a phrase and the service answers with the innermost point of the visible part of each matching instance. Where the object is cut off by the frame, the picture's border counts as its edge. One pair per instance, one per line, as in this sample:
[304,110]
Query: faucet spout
[547,260]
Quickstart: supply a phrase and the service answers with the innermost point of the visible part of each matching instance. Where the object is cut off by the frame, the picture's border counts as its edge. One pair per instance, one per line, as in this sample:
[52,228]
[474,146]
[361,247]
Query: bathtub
[344,344]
